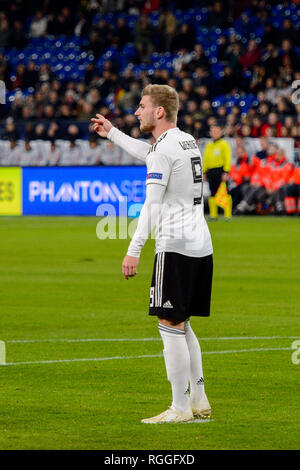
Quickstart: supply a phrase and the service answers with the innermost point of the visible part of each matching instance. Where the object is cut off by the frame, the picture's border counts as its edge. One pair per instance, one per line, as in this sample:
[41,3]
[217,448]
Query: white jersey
[175,161]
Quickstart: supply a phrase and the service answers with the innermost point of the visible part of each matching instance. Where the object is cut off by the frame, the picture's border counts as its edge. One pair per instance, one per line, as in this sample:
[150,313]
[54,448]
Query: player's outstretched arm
[101,125]
[136,148]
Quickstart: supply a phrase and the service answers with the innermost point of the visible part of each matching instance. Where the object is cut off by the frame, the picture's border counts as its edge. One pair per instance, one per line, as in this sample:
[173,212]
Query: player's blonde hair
[165,96]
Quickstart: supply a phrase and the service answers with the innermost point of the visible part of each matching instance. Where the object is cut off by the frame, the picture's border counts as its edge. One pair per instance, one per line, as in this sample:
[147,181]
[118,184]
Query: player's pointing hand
[101,125]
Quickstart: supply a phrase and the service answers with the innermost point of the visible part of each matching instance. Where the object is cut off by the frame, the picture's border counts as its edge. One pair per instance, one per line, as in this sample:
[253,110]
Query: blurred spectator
[30,156]
[13,156]
[111,154]
[217,16]
[131,98]
[289,57]
[292,189]
[144,36]
[121,34]
[31,75]
[289,32]
[272,128]
[251,56]
[184,39]
[4,33]
[18,37]
[38,26]
[53,131]
[92,156]
[53,155]
[240,174]
[199,59]
[167,25]
[71,154]
[11,132]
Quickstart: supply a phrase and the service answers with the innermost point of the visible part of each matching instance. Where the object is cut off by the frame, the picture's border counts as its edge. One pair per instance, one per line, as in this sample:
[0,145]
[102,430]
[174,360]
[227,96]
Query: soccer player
[182,274]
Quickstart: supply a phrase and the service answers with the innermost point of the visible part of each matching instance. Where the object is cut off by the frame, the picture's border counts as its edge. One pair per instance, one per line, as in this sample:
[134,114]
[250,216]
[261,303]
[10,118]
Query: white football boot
[171,416]
[201,409]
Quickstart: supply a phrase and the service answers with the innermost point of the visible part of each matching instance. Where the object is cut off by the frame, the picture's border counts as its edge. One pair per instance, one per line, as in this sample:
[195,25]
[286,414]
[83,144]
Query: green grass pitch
[84,359]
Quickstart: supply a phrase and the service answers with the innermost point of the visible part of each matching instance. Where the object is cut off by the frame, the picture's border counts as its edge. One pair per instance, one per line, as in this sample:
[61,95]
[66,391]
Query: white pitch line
[90,340]
[96,359]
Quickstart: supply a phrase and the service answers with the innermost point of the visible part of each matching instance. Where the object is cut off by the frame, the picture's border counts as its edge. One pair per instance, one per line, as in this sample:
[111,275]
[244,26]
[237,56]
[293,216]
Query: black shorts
[181,286]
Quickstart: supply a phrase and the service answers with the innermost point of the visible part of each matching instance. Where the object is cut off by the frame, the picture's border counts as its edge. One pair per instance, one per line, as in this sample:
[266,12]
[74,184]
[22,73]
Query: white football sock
[196,371]
[177,360]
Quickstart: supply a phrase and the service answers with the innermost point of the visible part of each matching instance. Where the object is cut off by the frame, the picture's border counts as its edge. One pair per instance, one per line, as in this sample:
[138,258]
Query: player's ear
[160,112]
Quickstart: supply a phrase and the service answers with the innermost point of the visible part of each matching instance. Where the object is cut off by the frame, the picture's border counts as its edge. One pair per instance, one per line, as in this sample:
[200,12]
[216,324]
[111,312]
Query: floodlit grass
[59,283]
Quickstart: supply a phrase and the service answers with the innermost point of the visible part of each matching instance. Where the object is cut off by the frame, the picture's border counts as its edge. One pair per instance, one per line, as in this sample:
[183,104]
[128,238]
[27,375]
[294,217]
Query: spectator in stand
[30,156]
[18,37]
[289,57]
[53,155]
[144,36]
[271,60]
[40,132]
[5,33]
[122,33]
[228,81]
[240,174]
[38,26]
[199,59]
[71,154]
[45,73]
[31,75]
[112,155]
[251,56]
[292,189]
[14,153]
[263,152]
[92,156]
[268,179]
[167,25]
[257,124]
[271,35]
[184,39]
[272,127]
[53,131]
[218,17]
[281,173]
[11,132]
[289,32]
[271,91]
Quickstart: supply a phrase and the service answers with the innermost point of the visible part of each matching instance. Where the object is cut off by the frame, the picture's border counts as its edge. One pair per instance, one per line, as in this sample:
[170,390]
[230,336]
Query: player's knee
[171,322]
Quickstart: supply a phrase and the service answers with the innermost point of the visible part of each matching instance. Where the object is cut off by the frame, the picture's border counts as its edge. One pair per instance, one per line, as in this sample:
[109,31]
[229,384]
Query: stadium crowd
[233,63]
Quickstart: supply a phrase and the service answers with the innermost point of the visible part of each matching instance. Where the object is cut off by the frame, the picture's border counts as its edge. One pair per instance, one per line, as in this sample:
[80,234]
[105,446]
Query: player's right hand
[101,125]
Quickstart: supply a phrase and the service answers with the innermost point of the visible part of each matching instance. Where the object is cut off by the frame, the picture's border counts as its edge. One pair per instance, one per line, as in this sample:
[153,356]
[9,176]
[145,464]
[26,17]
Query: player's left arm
[158,172]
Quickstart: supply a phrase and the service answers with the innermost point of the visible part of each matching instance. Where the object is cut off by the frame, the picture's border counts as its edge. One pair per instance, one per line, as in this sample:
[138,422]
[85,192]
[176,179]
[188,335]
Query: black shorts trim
[181,286]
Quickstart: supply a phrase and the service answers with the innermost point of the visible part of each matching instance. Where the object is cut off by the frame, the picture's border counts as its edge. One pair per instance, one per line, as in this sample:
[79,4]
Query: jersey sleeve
[134,147]
[158,168]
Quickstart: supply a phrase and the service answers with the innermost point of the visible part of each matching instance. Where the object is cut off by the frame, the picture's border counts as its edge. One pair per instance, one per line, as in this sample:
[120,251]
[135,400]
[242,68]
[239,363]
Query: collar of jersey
[164,133]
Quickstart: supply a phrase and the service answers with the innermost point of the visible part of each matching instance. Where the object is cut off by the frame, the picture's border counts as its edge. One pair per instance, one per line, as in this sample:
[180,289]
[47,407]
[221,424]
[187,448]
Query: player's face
[146,114]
